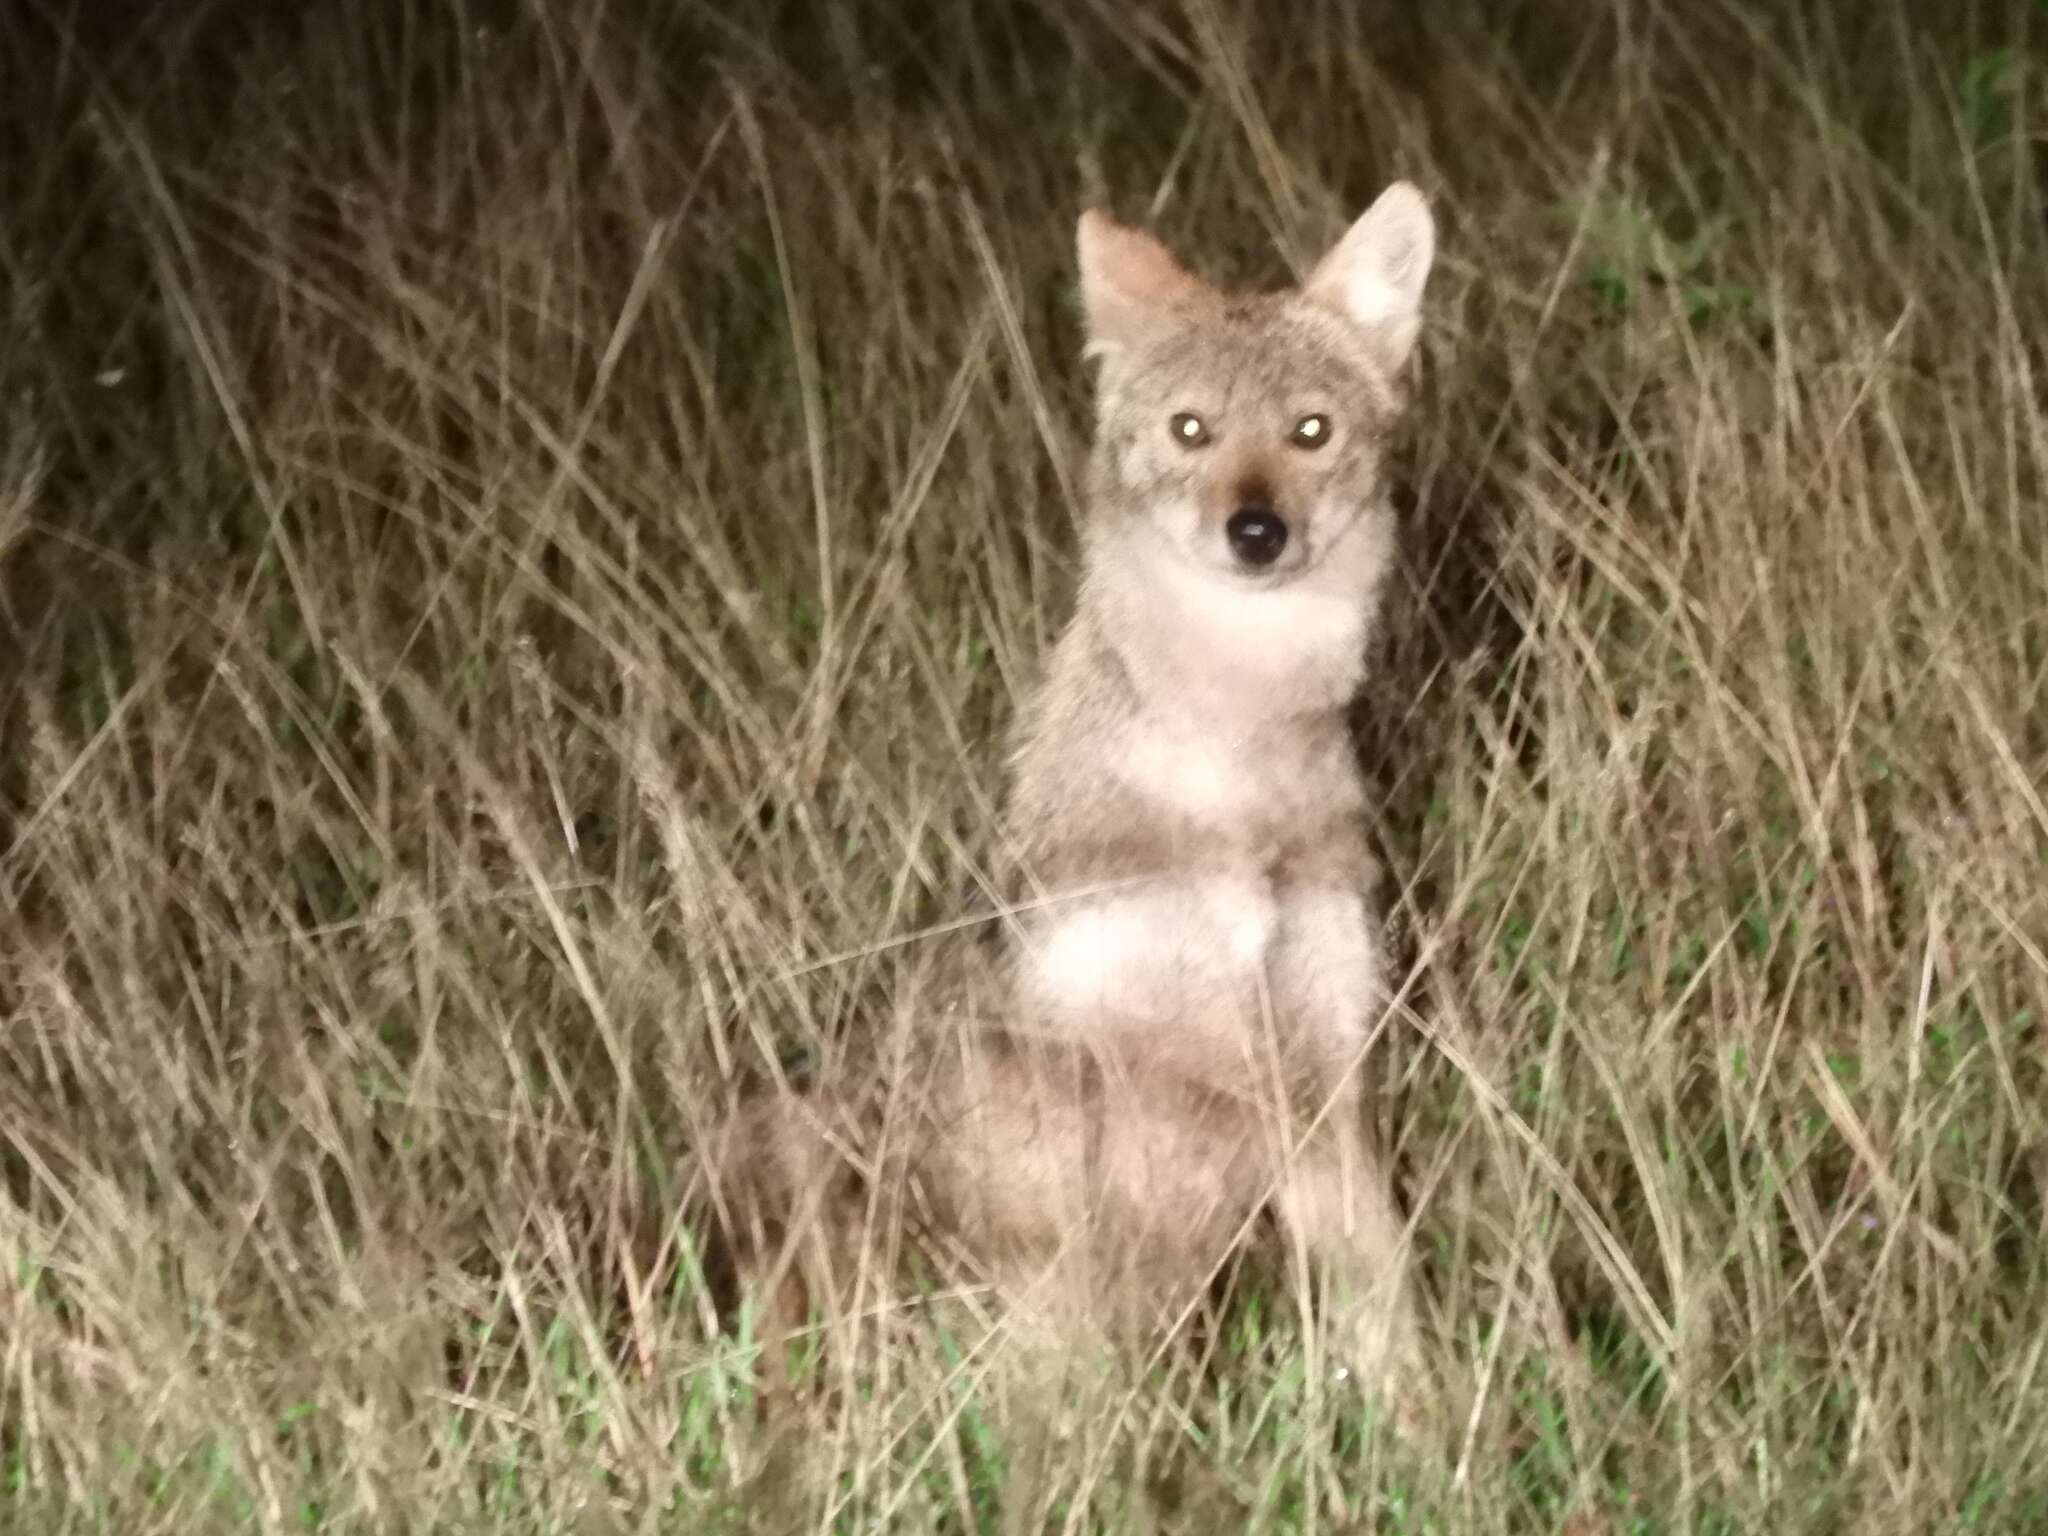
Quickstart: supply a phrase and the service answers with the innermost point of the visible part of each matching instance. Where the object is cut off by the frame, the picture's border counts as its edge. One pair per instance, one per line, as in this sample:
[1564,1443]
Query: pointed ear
[1130,283]
[1374,275]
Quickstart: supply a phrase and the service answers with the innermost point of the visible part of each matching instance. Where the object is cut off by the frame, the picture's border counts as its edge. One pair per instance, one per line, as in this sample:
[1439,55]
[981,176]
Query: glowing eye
[1188,430]
[1310,432]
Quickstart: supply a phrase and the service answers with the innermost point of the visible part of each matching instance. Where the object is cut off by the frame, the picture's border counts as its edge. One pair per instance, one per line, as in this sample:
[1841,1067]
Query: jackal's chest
[1219,964]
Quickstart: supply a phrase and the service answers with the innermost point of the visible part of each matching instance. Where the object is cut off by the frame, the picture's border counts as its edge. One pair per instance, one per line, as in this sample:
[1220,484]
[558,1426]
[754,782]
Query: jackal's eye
[1189,430]
[1310,432]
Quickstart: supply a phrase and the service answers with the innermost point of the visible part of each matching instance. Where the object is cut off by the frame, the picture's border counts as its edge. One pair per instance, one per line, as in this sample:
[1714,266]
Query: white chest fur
[1209,971]
[1156,951]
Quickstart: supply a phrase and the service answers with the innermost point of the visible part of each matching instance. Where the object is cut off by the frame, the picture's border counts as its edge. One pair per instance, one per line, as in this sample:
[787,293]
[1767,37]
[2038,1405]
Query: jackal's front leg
[1352,1246]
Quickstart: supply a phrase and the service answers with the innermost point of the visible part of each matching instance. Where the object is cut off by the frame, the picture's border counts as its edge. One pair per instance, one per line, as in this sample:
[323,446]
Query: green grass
[521,529]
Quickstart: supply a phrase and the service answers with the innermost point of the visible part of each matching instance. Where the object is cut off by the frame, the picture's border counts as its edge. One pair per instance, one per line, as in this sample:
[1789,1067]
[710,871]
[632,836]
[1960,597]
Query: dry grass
[520,532]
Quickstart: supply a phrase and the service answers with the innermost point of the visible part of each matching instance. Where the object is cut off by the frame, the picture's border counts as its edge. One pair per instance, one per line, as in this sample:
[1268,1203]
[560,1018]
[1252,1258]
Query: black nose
[1256,535]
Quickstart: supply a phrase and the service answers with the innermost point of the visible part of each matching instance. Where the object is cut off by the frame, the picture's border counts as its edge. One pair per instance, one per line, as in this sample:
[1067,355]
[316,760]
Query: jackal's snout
[1257,534]
[1253,516]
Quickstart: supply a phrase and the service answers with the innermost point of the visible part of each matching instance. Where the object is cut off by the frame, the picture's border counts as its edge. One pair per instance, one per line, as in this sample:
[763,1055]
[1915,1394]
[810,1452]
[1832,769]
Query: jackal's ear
[1130,283]
[1375,273]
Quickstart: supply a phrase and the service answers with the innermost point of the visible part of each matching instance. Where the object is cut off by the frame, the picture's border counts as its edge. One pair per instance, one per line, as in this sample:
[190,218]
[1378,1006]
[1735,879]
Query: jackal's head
[1241,437]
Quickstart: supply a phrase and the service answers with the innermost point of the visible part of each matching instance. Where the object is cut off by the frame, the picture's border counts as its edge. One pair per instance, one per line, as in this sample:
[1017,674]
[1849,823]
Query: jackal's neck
[1233,660]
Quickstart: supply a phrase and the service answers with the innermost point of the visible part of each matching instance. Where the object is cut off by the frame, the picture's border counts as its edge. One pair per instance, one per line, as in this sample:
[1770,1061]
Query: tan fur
[1195,949]
[1196,973]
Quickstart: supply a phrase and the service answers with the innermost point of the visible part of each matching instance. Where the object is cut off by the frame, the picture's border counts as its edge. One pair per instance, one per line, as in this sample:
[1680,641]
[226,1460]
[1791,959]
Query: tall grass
[521,527]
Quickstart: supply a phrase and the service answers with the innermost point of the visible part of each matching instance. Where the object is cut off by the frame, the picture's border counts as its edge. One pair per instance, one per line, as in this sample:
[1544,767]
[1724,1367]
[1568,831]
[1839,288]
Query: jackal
[1196,969]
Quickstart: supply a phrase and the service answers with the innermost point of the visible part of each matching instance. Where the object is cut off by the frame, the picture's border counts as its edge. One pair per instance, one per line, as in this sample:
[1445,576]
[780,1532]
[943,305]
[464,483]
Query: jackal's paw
[1409,1403]
[1388,1368]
